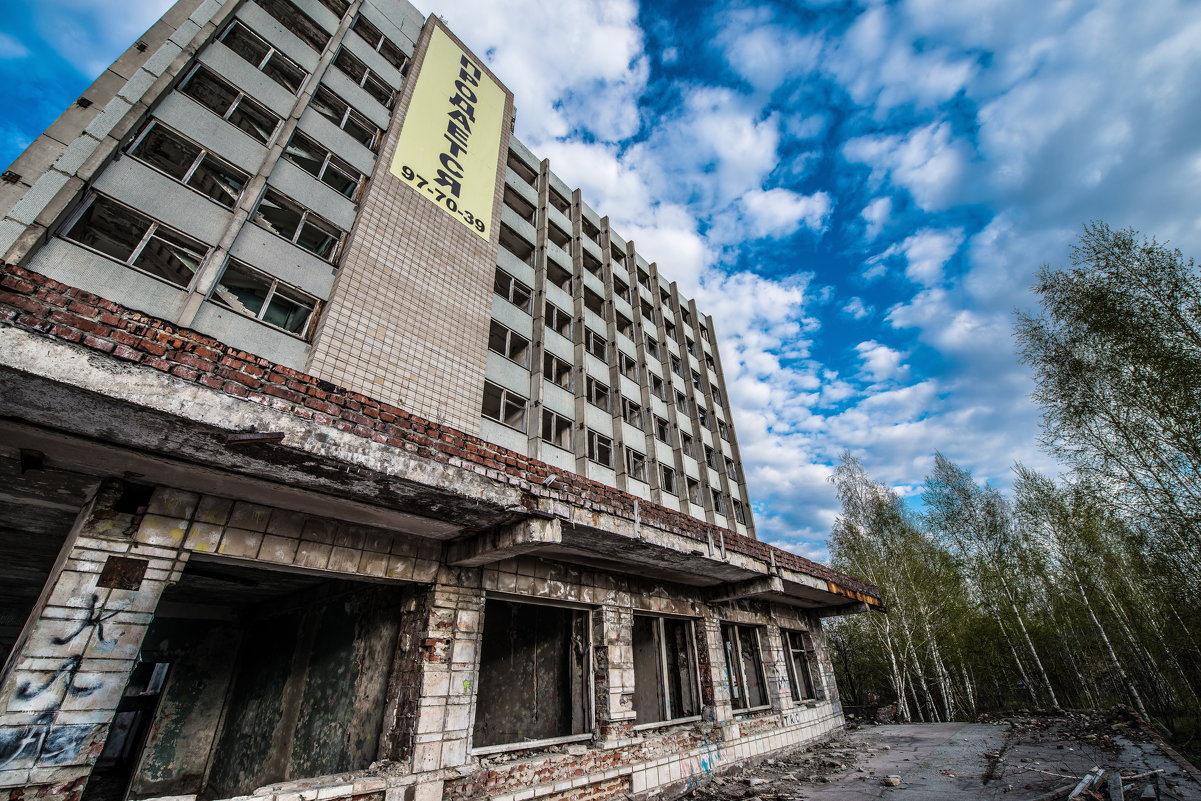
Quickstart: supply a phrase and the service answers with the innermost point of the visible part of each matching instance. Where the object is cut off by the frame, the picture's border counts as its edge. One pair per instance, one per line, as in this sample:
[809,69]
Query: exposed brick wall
[32,302]
[616,787]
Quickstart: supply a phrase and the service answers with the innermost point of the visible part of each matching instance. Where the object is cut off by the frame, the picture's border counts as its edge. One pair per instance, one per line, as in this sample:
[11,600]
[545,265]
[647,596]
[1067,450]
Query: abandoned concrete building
[347,453]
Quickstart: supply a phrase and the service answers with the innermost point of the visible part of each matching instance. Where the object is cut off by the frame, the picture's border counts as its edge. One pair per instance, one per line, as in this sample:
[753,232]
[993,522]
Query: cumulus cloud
[779,212]
[880,362]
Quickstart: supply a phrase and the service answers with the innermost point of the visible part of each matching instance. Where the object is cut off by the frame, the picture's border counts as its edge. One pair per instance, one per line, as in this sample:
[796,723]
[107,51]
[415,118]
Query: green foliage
[1079,591]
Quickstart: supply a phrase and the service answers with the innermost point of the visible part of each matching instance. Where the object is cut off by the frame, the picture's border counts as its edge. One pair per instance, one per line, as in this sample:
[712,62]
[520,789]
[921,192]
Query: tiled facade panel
[408,319]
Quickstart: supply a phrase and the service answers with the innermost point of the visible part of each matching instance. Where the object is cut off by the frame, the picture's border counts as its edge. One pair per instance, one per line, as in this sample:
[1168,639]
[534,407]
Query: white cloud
[780,212]
[926,253]
[10,48]
[856,309]
[927,161]
[880,362]
[876,214]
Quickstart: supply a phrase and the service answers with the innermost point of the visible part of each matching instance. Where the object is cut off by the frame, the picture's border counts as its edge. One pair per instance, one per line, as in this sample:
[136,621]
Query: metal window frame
[191,171]
[505,392]
[694,674]
[274,283]
[237,101]
[272,52]
[305,215]
[592,437]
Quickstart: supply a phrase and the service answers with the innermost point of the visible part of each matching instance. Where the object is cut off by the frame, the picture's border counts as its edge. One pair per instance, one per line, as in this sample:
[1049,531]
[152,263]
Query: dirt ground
[1015,759]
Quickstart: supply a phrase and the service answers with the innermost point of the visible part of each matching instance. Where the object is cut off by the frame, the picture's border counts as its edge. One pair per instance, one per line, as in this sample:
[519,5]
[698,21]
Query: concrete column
[449,646]
[74,660]
[771,644]
[613,665]
[715,679]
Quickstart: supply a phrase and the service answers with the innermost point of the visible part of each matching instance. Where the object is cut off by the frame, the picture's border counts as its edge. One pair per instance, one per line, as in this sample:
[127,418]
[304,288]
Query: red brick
[127,353]
[185,372]
[98,344]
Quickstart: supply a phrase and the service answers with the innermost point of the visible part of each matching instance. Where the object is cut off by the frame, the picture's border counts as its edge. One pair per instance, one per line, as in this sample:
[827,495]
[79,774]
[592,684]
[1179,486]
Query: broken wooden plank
[1115,787]
[1087,782]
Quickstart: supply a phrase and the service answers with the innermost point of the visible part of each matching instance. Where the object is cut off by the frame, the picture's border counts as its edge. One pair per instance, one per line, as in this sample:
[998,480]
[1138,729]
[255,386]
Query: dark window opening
[556,429]
[600,448]
[265,298]
[592,264]
[276,66]
[556,319]
[190,164]
[559,237]
[137,241]
[556,370]
[559,202]
[380,43]
[516,244]
[590,230]
[298,225]
[595,344]
[523,170]
[357,71]
[667,479]
[509,343]
[635,464]
[534,679]
[524,209]
[299,23]
[513,290]
[801,661]
[324,166]
[665,675]
[340,113]
[220,97]
[744,666]
[558,275]
[504,406]
[631,412]
[597,393]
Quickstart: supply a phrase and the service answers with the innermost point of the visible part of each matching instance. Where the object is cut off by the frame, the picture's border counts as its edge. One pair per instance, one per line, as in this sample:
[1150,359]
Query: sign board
[449,144]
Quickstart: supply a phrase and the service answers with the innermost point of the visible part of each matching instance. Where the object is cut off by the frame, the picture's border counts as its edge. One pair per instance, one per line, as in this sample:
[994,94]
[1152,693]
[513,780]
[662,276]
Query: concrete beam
[767,585]
[528,535]
[844,609]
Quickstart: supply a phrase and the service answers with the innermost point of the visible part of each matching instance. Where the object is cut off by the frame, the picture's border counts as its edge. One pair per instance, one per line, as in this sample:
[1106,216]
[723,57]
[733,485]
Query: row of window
[510,409]
[549,644]
[147,245]
[308,31]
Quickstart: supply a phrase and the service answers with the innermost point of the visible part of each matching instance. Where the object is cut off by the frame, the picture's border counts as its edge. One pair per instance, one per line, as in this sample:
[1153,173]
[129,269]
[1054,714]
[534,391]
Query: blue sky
[859,192]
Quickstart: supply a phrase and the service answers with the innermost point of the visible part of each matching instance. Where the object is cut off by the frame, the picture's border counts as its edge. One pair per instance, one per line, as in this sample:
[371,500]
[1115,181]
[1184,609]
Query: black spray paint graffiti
[41,742]
[95,619]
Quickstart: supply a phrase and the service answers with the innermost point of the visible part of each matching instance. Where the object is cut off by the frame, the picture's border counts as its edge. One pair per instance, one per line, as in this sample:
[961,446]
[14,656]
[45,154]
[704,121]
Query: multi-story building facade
[345,440]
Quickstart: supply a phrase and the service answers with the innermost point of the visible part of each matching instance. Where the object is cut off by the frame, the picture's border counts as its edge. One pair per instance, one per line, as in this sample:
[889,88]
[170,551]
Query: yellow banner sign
[449,144]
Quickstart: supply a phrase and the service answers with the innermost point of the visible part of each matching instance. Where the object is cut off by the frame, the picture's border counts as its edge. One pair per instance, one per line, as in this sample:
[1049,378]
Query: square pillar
[613,666]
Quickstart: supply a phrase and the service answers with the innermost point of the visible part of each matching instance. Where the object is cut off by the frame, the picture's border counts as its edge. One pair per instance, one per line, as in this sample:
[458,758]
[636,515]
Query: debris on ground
[1033,756]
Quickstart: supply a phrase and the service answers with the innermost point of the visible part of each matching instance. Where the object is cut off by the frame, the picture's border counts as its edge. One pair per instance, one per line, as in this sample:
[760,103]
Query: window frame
[737,670]
[569,372]
[152,229]
[193,168]
[555,319]
[663,671]
[379,45]
[506,396]
[239,98]
[368,80]
[668,480]
[349,114]
[272,52]
[514,283]
[310,323]
[594,446]
[596,345]
[329,161]
[635,464]
[632,412]
[306,214]
[598,394]
[513,342]
[554,418]
[810,668]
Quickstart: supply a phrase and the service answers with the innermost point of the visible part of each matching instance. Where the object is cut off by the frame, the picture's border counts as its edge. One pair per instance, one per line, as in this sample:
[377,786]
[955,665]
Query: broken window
[694,491]
[665,675]
[590,230]
[801,660]
[597,393]
[516,244]
[662,430]
[731,469]
[558,275]
[556,370]
[648,311]
[669,328]
[509,343]
[686,317]
[559,237]
[600,448]
[719,500]
[644,278]
[744,666]
[340,113]
[357,71]
[274,64]
[556,319]
[595,344]
[631,412]
[702,416]
[299,23]
[513,290]
[722,428]
[339,7]
[380,43]
[220,97]
[658,387]
[621,289]
[594,302]
[264,298]
[740,512]
[323,165]
[667,479]
[628,365]
[677,366]
[635,464]
[556,429]
[189,163]
[625,325]
[123,234]
[523,170]
[686,444]
[504,406]
[652,347]
[298,225]
[559,202]
[682,402]
[592,264]
[665,297]
[696,380]
[524,209]
[710,457]
[617,254]
[534,679]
